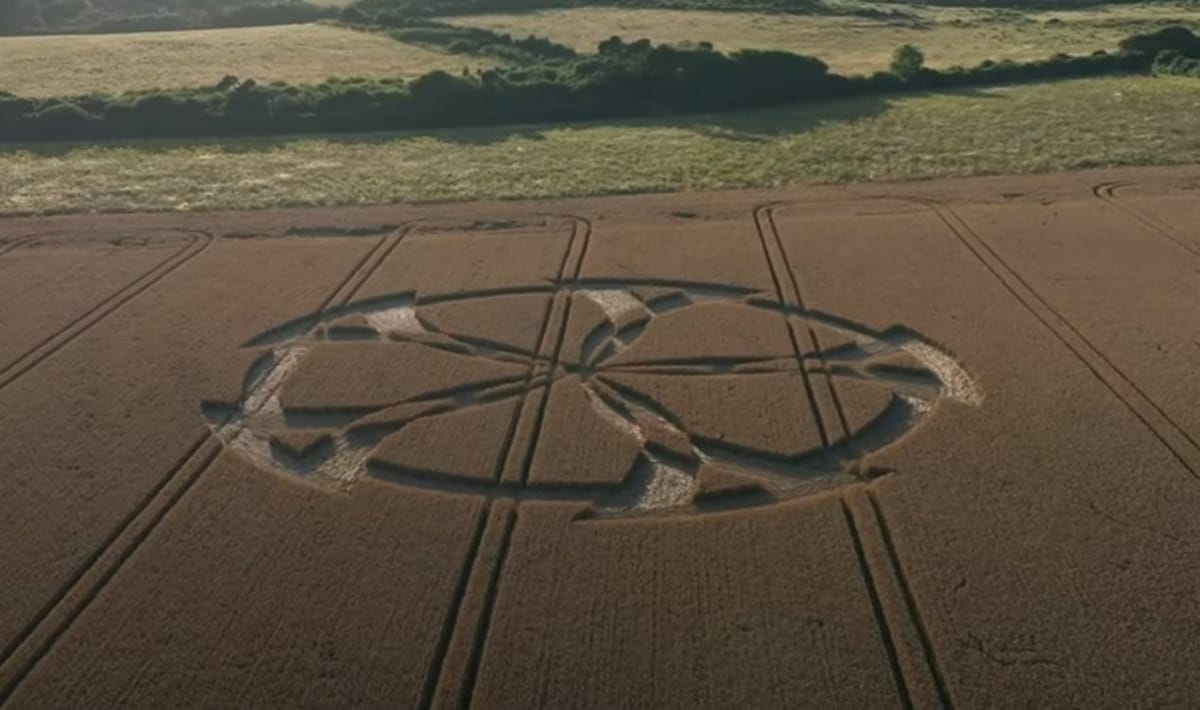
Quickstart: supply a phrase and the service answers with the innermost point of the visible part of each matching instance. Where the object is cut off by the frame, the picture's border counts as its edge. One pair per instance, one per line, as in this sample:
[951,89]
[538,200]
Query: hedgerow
[460,40]
[1173,62]
[23,17]
[622,79]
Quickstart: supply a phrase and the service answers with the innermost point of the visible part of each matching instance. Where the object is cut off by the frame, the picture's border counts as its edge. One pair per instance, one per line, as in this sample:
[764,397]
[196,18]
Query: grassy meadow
[854,44]
[1025,129]
[76,64]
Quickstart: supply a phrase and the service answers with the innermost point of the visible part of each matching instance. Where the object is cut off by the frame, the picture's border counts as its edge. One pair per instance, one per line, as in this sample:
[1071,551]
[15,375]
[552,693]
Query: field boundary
[199,241]
[1108,192]
[73,599]
[1177,441]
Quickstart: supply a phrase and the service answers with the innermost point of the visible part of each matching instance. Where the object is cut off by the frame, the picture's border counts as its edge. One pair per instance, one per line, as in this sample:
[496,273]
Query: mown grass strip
[1026,129]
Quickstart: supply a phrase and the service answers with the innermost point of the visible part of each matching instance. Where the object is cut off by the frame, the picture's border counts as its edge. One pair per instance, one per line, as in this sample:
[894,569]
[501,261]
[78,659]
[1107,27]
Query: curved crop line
[779,469]
[947,370]
[363,429]
[290,332]
[481,394]
[364,432]
[709,289]
[581,229]
[568,281]
[481,347]
[137,525]
[804,467]
[765,225]
[887,430]
[163,492]
[281,333]
[594,343]
[963,232]
[469,347]
[272,370]
[15,244]
[599,345]
[1108,193]
[633,400]
[259,371]
[198,242]
[265,371]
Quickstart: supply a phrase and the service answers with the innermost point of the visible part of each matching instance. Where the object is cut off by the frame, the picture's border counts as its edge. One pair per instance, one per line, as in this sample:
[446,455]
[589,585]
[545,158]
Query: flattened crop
[924,449]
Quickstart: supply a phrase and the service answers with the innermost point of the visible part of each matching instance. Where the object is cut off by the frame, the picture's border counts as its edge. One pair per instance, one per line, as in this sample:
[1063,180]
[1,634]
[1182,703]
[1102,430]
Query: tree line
[622,79]
[898,8]
[457,39]
[25,17]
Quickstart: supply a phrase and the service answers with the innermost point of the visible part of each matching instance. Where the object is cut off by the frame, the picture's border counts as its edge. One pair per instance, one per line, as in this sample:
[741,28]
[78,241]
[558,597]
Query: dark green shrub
[63,120]
[907,62]
[353,16]
[1173,62]
[12,110]
[1176,38]
[276,13]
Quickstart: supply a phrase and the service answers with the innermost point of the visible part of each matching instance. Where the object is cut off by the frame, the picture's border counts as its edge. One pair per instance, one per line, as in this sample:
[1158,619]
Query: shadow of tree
[750,125]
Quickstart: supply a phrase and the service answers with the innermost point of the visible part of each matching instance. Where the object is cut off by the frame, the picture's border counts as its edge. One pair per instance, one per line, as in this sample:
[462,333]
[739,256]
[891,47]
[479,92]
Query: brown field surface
[301,54]
[900,445]
[855,44]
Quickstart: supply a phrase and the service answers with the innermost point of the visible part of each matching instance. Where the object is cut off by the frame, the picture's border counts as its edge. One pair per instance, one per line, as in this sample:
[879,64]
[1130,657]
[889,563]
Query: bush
[1175,38]
[50,16]
[12,110]
[353,16]
[1173,62]
[462,40]
[907,62]
[278,13]
[153,22]
[62,119]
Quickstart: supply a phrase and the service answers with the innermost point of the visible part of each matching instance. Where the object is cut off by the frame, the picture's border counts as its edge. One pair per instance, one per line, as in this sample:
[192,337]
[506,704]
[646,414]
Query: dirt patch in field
[930,446]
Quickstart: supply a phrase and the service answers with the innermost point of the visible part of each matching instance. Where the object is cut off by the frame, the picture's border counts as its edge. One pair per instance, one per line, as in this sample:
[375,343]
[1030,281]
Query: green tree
[907,61]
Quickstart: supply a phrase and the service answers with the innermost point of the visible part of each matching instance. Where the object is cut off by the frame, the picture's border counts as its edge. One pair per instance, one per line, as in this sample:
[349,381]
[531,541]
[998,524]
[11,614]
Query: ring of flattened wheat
[661,480]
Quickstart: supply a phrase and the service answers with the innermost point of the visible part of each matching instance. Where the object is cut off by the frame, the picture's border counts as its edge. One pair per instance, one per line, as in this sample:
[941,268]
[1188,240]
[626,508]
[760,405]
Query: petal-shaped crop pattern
[709,381]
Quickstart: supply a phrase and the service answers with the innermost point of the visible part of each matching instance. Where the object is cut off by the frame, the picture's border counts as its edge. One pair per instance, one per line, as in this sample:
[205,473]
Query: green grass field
[75,64]
[1036,128]
[850,44]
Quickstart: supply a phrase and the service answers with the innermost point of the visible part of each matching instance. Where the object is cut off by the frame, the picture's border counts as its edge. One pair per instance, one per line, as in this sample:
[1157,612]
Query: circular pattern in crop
[649,396]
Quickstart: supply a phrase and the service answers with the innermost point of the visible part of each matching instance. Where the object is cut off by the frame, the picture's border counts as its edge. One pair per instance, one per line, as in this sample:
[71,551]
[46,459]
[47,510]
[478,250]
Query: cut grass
[305,54]
[850,44]
[1026,129]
